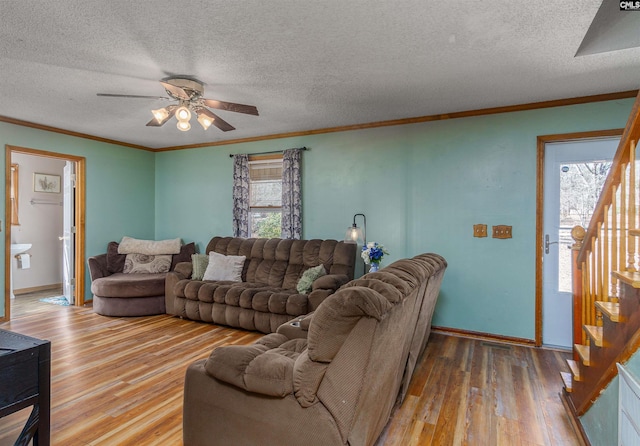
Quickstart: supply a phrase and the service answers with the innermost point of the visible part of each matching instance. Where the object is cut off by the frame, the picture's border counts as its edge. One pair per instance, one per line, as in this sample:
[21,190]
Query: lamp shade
[354,235]
[183,113]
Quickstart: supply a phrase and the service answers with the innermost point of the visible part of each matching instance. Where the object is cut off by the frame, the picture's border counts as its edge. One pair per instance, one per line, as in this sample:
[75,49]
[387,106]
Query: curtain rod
[267,153]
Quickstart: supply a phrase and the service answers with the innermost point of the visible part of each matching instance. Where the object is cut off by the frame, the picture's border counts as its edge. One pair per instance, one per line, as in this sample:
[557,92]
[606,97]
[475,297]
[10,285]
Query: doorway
[571,172]
[47,213]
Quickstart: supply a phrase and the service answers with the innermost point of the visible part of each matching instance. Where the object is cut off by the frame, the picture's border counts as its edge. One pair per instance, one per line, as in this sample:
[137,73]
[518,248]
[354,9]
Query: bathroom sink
[19,248]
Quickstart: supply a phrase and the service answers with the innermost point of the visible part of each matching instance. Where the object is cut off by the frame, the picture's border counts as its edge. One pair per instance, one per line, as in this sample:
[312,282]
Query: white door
[69,233]
[574,173]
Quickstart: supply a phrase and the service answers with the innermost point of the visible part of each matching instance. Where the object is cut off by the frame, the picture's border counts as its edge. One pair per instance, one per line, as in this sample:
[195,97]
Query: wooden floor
[118,381]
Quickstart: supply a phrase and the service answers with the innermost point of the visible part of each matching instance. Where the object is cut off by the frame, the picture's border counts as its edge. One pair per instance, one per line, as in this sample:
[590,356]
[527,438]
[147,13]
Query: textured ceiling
[305,64]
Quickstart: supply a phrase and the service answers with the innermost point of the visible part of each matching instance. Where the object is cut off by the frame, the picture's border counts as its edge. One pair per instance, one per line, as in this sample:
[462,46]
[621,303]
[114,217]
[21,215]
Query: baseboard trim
[483,336]
[574,420]
[35,289]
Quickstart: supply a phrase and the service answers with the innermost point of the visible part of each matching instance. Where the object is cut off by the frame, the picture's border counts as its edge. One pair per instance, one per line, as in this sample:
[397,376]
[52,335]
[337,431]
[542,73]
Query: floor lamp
[355,234]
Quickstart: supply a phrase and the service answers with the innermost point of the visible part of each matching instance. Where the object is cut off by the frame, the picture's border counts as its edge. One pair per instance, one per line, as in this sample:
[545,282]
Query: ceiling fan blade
[154,122]
[231,106]
[130,96]
[176,91]
[217,120]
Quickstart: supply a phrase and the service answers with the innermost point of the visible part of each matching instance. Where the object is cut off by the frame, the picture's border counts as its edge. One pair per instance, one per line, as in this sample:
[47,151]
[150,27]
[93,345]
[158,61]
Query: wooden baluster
[605,256]
[614,244]
[586,280]
[577,233]
[623,218]
[594,283]
[631,216]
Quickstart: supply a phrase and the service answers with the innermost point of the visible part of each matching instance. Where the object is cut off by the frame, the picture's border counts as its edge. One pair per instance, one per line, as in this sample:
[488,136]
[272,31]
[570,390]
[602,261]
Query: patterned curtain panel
[241,195]
[292,194]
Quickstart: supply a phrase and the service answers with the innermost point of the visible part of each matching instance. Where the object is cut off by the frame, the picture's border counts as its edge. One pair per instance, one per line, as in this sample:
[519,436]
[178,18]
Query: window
[265,196]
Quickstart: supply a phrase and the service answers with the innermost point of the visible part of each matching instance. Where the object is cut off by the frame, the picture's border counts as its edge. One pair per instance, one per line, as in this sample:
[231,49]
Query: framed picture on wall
[46,182]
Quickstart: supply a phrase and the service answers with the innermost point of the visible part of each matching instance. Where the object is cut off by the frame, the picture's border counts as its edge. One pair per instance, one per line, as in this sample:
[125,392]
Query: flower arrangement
[372,254]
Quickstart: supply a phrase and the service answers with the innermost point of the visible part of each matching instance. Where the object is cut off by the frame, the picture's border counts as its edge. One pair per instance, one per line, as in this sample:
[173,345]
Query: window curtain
[241,195]
[292,194]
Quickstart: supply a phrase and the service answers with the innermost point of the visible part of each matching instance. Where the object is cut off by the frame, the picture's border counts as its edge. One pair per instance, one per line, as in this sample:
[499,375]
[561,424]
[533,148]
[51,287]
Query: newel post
[577,233]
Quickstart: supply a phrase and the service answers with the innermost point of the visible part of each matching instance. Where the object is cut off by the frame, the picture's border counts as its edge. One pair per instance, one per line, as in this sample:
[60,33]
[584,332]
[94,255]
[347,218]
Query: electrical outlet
[502,231]
[480,230]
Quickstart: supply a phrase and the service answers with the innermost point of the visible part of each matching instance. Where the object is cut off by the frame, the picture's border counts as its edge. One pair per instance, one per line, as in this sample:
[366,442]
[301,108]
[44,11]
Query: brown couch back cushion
[281,262]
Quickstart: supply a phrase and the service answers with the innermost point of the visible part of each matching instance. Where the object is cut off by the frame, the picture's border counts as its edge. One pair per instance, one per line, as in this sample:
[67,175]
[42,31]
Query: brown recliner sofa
[267,296]
[337,386]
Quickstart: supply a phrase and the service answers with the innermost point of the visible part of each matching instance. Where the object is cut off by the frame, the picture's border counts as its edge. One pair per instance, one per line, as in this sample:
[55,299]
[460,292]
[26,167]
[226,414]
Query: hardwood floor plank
[119,381]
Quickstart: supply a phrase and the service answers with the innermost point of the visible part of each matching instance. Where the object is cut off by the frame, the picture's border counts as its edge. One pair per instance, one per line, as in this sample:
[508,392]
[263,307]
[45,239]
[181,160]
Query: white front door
[69,234]
[574,173]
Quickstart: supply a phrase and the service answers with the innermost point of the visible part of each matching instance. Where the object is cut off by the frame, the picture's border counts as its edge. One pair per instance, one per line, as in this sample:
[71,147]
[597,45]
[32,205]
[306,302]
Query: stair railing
[605,253]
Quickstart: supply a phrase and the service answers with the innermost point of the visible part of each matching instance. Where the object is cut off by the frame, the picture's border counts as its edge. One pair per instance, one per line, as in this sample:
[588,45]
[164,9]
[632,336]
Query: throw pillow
[115,261]
[186,251]
[130,245]
[223,267]
[200,263]
[306,280]
[142,263]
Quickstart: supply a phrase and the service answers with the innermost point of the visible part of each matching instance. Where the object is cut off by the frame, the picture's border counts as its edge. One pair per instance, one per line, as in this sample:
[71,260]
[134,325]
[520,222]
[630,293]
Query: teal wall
[120,187]
[601,420]
[422,187]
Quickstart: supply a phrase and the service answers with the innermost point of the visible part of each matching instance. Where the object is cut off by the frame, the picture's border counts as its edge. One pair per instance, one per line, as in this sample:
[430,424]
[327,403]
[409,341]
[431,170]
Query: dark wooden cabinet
[25,380]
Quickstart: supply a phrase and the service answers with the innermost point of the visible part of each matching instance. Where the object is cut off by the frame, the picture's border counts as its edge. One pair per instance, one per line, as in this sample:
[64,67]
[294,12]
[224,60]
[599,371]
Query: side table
[25,380]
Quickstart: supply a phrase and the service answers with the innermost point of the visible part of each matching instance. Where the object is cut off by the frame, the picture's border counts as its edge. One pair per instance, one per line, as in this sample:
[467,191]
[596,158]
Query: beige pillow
[142,263]
[223,267]
[129,245]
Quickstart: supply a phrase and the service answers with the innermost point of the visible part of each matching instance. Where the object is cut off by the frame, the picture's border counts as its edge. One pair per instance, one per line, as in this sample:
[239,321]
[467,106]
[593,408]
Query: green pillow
[305,282]
[200,263]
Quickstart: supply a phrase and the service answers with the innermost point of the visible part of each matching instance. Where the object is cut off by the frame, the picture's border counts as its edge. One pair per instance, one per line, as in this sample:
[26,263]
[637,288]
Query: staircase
[606,279]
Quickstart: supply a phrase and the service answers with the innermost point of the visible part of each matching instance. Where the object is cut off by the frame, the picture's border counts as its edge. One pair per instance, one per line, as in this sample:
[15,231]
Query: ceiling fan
[188,92]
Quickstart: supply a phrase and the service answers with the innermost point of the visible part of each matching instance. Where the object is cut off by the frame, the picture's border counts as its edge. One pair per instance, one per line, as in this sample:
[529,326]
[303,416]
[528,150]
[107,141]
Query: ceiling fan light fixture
[205,121]
[183,114]
[160,114]
[183,126]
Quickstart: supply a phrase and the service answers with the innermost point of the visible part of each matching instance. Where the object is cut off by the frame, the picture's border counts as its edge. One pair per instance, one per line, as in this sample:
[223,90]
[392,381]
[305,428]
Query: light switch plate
[502,231]
[480,230]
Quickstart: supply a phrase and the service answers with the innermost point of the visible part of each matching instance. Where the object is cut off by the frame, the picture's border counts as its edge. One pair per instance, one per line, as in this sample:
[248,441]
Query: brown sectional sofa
[335,384]
[267,296]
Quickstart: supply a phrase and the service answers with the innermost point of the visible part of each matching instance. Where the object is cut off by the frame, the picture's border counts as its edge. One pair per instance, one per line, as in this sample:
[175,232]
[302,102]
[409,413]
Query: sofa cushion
[129,285]
[308,277]
[146,264]
[115,261]
[223,267]
[200,263]
[129,245]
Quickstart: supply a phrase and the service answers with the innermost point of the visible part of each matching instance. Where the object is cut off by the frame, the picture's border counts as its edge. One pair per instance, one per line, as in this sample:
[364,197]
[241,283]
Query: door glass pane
[580,187]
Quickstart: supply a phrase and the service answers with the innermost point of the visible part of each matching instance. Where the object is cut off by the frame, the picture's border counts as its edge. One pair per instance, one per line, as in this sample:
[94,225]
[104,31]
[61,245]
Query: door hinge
[73,229]
[72,282]
[73,180]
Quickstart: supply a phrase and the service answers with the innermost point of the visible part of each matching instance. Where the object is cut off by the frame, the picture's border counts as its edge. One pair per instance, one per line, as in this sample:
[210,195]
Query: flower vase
[374,267]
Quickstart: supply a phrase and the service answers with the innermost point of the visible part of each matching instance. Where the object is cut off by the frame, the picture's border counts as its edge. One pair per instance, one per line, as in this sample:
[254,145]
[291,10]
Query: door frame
[80,211]
[542,142]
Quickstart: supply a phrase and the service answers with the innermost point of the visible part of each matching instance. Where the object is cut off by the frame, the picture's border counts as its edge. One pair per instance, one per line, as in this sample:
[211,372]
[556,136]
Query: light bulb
[183,126]
[160,114]
[205,121]
[183,114]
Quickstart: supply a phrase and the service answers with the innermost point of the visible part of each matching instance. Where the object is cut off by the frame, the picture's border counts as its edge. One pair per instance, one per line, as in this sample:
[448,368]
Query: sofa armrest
[98,267]
[170,281]
[330,282]
[296,328]
[184,268]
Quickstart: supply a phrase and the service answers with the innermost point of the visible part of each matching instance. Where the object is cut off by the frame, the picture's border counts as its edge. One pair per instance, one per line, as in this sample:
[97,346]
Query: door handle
[547,243]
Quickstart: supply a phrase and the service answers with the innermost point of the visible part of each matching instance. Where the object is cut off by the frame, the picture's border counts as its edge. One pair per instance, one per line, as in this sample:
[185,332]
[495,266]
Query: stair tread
[609,309]
[575,369]
[567,380]
[595,333]
[584,353]
[630,278]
